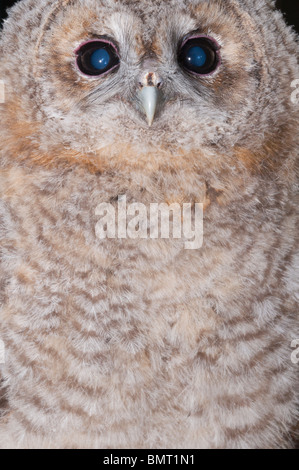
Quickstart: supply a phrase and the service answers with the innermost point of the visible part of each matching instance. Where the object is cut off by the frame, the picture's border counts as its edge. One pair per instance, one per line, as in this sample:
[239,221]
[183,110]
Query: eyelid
[104,40]
[203,36]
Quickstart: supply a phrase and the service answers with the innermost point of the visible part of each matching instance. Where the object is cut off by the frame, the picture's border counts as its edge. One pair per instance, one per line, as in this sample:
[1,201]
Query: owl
[138,342]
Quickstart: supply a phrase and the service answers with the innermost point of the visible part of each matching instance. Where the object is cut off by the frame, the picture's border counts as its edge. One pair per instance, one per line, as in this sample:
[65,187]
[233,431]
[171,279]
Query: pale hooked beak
[149,95]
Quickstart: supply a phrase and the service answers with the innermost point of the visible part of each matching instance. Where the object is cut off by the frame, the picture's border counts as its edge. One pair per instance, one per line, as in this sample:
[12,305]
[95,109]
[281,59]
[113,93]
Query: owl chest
[101,298]
[93,297]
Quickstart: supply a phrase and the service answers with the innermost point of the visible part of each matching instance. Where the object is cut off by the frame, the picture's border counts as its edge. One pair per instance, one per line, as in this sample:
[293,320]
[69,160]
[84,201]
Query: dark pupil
[199,56]
[95,58]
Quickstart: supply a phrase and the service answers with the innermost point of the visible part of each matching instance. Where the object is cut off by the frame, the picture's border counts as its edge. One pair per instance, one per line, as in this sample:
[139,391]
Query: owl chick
[139,342]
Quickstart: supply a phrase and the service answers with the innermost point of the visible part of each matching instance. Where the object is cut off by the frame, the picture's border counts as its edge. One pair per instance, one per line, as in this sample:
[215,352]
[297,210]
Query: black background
[289,7]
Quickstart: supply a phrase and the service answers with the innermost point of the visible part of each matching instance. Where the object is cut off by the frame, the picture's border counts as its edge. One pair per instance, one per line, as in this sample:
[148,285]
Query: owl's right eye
[97,57]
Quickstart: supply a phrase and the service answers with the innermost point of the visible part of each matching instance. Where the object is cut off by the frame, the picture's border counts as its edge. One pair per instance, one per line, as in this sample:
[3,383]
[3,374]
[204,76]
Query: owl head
[133,82]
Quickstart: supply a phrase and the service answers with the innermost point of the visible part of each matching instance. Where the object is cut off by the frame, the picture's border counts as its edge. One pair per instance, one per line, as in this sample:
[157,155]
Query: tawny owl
[139,342]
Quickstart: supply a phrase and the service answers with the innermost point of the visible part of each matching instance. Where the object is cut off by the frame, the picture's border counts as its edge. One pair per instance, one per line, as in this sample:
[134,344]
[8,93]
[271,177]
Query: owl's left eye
[199,55]
[97,57]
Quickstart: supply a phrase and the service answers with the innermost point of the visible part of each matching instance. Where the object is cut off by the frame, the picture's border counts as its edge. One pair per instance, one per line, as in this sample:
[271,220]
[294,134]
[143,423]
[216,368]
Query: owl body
[141,343]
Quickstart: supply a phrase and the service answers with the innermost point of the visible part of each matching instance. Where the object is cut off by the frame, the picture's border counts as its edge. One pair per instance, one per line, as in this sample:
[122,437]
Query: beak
[149,97]
[149,94]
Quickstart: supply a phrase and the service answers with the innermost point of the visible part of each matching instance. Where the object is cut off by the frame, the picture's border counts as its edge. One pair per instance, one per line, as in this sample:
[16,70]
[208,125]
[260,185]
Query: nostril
[150,79]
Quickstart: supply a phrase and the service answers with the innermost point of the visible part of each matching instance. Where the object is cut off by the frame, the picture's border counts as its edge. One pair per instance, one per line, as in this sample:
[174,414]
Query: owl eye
[199,55]
[97,57]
